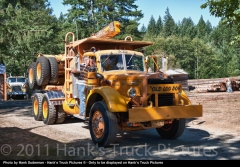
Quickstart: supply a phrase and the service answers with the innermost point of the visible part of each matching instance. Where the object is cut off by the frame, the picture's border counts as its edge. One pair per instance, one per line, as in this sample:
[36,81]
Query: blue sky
[179,9]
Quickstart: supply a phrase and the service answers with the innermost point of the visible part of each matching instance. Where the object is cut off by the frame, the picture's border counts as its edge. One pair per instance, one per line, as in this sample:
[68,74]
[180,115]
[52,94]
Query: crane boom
[109,31]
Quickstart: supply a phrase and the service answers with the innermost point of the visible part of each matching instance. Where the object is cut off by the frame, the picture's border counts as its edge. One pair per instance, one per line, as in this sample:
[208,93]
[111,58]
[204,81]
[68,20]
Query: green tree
[151,29]
[93,15]
[159,25]
[29,28]
[187,28]
[228,10]
[201,29]
[169,27]
[209,27]
[143,30]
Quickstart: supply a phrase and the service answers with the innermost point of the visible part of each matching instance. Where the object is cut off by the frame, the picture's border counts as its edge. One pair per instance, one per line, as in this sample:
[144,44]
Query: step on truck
[121,96]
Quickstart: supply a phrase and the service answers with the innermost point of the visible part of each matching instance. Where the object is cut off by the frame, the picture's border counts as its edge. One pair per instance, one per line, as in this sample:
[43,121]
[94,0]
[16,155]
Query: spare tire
[42,71]
[54,70]
[31,76]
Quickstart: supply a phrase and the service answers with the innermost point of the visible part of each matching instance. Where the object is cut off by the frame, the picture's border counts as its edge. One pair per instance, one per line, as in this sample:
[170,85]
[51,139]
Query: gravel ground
[213,136]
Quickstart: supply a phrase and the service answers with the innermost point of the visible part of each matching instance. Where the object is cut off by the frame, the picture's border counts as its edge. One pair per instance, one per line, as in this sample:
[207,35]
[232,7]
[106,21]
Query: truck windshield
[21,79]
[16,80]
[12,80]
[122,62]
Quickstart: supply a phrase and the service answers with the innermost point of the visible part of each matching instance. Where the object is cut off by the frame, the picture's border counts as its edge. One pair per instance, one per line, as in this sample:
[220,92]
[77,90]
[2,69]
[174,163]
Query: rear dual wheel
[37,106]
[49,111]
[44,111]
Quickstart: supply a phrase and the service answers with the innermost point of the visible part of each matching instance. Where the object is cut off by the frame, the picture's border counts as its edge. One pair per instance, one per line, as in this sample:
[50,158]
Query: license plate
[164,88]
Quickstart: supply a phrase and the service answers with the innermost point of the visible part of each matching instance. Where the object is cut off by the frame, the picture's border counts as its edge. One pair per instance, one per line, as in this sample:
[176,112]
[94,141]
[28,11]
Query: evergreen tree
[159,25]
[209,27]
[143,30]
[151,29]
[29,28]
[201,29]
[93,15]
[187,28]
[169,27]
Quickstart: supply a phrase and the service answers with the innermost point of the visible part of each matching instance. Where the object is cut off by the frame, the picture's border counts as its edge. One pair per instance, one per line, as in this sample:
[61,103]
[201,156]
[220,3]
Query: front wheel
[102,125]
[172,131]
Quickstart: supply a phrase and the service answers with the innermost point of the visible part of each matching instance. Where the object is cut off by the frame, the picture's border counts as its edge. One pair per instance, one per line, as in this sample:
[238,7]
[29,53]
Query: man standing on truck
[81,74]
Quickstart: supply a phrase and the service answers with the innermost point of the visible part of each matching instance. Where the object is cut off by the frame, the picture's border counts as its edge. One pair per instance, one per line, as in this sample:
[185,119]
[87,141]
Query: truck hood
[133,75]
[16,84]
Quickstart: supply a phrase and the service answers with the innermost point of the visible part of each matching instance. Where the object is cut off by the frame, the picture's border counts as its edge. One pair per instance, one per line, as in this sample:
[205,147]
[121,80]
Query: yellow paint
[185,99]
[114,100]
[140,114]
[70,106]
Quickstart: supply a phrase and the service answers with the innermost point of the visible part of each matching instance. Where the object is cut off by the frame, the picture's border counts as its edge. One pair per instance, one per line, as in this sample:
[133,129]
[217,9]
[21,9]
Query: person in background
[81,74]
[106,65]
[229,85]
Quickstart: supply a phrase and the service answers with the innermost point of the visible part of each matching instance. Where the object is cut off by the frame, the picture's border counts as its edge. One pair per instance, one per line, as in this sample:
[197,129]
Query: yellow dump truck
[123,95]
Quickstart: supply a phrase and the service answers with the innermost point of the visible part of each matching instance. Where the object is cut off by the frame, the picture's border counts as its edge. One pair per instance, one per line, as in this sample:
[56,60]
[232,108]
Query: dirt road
[215,136]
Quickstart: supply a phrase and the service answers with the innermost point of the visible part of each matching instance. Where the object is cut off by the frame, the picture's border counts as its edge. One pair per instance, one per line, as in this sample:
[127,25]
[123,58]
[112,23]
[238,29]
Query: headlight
[131,92]
[24,89]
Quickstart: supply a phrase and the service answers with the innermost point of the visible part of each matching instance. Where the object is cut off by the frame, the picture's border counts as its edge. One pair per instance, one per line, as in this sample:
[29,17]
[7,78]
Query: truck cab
[16,87]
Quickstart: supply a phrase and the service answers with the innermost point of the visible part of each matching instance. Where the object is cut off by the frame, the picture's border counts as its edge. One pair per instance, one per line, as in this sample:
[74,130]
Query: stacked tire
[43,72]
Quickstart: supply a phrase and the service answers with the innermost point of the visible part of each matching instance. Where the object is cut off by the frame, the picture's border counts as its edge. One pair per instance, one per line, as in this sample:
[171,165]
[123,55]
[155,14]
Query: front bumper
[15,94]
[140,114]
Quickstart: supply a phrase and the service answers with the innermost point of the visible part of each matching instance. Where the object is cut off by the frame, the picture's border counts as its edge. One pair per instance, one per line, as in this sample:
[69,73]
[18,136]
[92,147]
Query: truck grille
[163,99]
[16,89]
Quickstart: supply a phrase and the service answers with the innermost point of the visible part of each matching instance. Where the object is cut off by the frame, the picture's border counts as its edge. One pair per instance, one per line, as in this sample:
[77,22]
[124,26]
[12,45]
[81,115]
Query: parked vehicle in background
[16,87]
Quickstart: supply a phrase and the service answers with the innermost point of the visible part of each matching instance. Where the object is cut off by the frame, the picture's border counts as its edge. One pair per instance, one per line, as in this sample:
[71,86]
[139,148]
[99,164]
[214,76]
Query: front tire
[102,124]
[172,131]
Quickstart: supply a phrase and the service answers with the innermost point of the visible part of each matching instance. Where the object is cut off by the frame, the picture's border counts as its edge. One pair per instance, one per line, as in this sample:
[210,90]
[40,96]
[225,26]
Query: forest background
[203,51]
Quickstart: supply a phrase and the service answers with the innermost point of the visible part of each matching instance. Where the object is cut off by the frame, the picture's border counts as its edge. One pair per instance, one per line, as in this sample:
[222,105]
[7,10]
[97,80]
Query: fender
[114,100]
[185,98]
